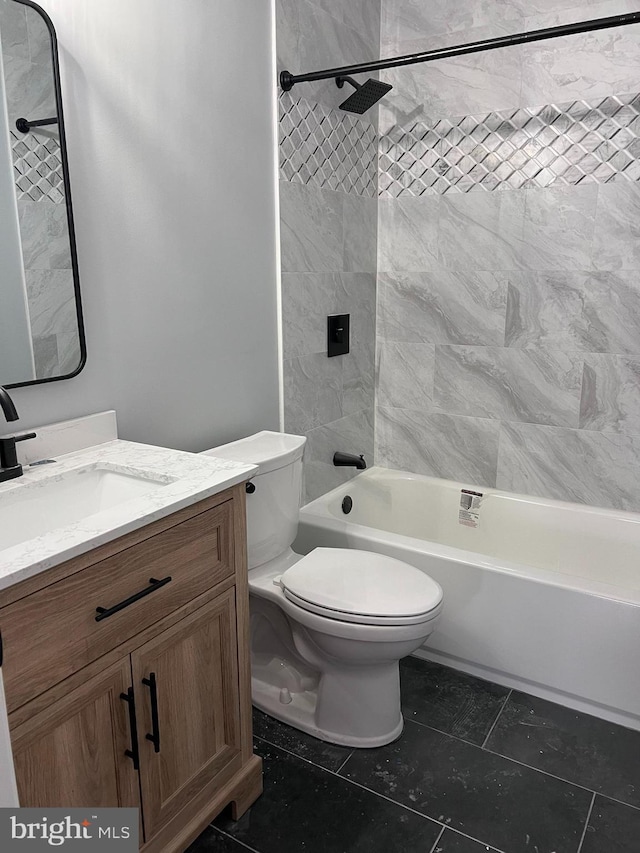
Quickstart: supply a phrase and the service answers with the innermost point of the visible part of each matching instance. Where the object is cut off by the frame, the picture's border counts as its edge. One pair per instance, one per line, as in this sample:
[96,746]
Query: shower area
[480,225]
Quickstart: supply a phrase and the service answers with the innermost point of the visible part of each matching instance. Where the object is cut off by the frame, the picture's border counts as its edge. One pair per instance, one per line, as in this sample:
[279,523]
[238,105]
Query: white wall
[168,109]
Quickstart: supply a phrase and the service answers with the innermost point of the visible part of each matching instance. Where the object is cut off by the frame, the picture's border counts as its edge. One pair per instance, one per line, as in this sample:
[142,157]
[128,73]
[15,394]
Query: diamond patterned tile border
[326,148]
[38,167]
[569,143]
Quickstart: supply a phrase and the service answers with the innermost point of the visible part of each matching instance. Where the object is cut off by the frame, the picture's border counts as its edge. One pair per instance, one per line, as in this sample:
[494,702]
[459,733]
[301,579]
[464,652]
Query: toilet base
[340,689]
[300,712]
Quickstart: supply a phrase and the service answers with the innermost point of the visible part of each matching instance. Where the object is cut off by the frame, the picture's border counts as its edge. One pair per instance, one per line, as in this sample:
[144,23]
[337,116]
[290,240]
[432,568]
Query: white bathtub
[541,595]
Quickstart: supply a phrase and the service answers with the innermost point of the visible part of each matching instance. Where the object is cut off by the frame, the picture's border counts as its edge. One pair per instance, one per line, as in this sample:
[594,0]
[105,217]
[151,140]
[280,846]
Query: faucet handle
[8,454]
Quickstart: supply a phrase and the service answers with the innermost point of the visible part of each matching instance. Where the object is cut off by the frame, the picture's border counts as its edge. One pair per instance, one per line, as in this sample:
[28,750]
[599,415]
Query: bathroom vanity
[125,655]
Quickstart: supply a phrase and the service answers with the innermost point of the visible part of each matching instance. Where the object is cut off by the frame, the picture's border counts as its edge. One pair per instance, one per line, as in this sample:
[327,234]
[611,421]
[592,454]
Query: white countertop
[189,478]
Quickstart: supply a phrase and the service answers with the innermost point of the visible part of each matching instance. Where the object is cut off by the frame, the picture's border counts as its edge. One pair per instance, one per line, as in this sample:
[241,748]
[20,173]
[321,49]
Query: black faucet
[9,466]
[8,408]
[341,459]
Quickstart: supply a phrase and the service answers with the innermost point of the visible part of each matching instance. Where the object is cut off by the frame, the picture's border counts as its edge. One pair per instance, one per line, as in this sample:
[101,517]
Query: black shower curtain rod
[288,80]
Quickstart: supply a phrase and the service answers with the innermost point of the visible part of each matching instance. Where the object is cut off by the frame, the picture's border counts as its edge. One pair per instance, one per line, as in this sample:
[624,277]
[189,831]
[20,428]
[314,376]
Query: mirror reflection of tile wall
[26,49]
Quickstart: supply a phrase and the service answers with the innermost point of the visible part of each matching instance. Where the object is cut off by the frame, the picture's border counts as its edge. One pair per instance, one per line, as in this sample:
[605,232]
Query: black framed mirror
[41,328]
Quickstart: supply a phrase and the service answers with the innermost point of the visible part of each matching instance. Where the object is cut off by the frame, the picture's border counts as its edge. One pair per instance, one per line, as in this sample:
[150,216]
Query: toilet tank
[272,509]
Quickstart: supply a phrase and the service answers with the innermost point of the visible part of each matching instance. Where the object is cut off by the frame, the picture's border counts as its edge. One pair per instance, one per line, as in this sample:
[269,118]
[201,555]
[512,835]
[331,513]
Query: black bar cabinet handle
[132,753]
[104,612]
[152,684]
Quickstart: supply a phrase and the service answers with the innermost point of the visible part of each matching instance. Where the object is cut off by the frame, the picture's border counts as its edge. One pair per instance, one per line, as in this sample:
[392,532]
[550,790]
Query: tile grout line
[470,837]
[460,740]
[353,782]
[234,839]
[522,764]
[437,841]
[337,772]
[376,794]
[620,802]
[442,732]
[543,772]
[495,722]
[485,844]
[468,743]
[420,814]
[562,779]
[586,824]
[506,757]
[301,757]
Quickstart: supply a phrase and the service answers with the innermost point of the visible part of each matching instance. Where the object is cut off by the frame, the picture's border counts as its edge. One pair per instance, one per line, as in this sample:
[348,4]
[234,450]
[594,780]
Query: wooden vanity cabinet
[194,665]
[150,706]
[61,754]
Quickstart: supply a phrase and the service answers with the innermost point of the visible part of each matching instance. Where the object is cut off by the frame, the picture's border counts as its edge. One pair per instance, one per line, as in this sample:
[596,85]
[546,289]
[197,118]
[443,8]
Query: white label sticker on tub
[469,513]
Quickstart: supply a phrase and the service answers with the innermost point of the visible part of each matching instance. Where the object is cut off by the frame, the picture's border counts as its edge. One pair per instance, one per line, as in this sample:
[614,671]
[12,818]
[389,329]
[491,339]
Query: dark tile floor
[478,768]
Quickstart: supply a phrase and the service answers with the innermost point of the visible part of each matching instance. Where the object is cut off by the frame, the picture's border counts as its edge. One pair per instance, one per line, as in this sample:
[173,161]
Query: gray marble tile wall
[508,327]
[328,236]
[41,203]
[328,267]
[589,66]
[316,34]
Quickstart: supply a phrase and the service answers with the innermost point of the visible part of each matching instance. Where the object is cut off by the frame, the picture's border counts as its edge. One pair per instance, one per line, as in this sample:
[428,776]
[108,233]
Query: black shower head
[365,96]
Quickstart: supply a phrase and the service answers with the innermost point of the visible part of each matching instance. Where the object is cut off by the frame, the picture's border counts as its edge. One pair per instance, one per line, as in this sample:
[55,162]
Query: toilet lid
[361,586]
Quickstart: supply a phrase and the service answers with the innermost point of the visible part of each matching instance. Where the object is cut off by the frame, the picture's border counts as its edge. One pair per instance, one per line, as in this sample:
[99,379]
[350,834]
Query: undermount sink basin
[33,509]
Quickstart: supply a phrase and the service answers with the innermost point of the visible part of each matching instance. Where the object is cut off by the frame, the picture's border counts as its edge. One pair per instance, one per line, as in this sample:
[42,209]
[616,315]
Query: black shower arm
[340,81]
[24,125]
[288,80]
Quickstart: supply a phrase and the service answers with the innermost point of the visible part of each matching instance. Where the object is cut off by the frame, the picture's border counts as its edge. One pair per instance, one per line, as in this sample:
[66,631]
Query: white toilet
[327,629]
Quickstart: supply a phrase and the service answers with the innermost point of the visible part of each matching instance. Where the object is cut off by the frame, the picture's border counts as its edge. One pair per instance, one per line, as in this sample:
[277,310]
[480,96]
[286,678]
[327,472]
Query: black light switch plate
[337,334]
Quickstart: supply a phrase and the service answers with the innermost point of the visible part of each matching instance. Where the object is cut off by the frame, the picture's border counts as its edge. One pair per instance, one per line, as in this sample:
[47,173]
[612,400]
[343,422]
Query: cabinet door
[72,754]
[186,688]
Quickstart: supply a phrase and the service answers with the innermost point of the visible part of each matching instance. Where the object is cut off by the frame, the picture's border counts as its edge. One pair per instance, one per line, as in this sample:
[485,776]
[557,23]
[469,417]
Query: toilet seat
[362,587]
